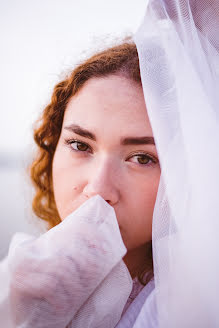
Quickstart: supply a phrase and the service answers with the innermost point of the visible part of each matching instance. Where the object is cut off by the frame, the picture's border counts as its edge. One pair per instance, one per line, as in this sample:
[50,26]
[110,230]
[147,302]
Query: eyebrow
[146,140]
[80,131]
[138,141]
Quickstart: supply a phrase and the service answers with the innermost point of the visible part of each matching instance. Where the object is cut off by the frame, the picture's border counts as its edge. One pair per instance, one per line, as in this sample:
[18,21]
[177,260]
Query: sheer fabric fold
[71,276]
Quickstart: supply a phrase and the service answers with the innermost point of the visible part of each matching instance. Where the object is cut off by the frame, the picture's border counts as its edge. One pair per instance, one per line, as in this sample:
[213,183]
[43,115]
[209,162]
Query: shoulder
[17,239]
[5,314]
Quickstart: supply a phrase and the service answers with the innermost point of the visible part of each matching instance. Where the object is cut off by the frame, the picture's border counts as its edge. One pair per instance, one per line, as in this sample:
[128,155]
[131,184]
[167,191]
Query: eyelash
[69,142]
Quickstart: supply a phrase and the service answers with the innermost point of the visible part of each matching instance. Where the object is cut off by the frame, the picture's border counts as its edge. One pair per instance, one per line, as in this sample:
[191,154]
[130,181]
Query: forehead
[113,102]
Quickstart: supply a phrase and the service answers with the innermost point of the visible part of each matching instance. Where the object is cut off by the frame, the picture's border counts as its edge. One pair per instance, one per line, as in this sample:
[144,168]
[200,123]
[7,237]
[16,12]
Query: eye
[143,159]
[78,145]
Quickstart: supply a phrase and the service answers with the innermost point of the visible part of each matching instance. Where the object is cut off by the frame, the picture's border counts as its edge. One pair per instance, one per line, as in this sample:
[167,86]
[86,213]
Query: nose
[103,180]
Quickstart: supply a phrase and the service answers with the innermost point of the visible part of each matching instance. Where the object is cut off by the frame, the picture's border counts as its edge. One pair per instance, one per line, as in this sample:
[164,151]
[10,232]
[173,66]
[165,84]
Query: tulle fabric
[71,276]
[178,45]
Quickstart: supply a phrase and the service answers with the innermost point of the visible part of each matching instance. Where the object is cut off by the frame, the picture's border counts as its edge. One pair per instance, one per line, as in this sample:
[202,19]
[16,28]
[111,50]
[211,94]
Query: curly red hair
[121,59]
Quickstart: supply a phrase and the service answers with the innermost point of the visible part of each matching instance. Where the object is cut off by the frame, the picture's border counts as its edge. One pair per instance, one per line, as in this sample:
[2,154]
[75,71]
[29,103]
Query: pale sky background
[40,40]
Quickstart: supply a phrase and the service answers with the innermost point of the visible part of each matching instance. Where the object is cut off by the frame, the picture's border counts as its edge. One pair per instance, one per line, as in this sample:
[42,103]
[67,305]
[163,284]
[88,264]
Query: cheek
[141,206]
[146,191]
[148,198]
[67,184]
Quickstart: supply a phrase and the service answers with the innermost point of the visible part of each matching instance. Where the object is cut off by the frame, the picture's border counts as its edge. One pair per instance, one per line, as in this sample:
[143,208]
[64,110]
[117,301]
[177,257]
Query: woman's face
[106,147]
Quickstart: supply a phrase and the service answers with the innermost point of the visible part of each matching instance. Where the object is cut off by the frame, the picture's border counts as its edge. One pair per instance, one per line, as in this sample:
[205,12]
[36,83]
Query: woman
[179,62]
[101,99]
[94,138]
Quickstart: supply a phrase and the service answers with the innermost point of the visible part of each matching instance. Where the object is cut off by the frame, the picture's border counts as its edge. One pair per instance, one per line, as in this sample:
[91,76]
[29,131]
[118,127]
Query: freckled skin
[111,108]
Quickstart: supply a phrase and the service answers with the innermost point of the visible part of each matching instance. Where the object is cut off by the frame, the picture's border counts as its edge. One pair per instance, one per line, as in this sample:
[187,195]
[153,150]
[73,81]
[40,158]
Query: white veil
[178,45]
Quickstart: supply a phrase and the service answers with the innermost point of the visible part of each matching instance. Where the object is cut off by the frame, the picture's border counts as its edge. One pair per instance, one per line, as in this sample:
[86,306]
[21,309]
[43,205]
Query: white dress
[140,308]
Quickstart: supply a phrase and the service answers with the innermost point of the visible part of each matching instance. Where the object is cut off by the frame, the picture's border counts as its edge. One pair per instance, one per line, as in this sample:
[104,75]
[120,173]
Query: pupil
[143,160]
[82,147]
